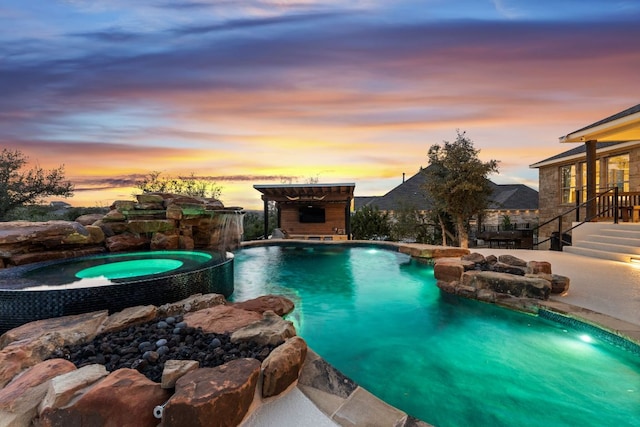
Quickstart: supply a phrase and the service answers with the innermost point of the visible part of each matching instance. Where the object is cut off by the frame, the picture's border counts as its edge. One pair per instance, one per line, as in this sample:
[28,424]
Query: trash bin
[556,244]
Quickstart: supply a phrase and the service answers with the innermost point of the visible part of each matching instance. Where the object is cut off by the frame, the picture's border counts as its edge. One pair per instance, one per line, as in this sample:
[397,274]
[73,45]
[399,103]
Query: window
[568,183]
[618,172]
[583,180]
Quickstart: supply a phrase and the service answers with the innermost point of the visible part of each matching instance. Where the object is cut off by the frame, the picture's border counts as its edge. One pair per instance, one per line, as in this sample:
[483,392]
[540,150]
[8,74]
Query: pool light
[586,338]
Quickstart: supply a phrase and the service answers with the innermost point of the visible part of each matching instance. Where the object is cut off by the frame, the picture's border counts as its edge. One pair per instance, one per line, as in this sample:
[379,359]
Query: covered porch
[612,203]
[310,211]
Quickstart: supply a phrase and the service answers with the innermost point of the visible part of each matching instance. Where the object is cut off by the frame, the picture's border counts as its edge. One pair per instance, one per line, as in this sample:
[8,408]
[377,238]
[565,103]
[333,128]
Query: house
[598,180]
[516,201]
[310,211]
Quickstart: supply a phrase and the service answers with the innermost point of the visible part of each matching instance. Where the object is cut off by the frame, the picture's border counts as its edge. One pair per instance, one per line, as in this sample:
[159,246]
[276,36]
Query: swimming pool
[377,316]
[108,282]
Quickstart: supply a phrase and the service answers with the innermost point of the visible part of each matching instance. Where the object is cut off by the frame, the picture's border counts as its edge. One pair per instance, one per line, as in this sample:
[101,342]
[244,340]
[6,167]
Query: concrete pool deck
[602,292]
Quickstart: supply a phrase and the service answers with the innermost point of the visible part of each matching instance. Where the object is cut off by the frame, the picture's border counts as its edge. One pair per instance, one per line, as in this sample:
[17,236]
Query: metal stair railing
[606,208]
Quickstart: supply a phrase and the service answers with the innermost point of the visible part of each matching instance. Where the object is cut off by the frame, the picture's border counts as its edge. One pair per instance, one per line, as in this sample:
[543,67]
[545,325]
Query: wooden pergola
[310,211]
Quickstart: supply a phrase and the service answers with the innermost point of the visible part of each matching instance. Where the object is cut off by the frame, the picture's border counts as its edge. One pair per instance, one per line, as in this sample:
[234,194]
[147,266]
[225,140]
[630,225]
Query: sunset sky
[267,91]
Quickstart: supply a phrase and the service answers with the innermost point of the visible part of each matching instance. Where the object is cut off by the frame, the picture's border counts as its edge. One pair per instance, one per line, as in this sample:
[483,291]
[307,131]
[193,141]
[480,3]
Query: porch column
[266,217]
[591,178]
[347,219]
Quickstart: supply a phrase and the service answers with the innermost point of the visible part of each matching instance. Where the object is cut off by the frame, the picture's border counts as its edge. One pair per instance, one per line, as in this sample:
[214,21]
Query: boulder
[448,271]
[559,284]
[150,198]
[282,367]
[89,219]
[126,243]
[155,207]
[213,397]
[276,303]
[174,212]
[39,256]
[72,329]
[23,237]
[123,205]
[425,251]
[271,330]
[19,400]
[214,204]
[96,235]
[474,257]
[141,226]
[466,291]
[127,317]
[221,319]
[165,241]
[176,369]
[535,267]
[501,267]
[64,388]
[448,287]
[180,201]
[486,295]
[114,216]
[47,336]
[518,286]
[125,398]
[193,303]
[186,242]
[512,260]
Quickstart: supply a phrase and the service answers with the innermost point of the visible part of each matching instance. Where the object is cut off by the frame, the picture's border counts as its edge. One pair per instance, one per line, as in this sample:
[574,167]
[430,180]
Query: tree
[19,187]
[457,182]
[254,222]
[369,223]
[186,186]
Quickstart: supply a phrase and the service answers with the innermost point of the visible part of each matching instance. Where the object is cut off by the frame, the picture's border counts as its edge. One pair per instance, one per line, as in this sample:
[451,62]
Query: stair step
[610,247]
[621,232]
[616,240]
[594,253]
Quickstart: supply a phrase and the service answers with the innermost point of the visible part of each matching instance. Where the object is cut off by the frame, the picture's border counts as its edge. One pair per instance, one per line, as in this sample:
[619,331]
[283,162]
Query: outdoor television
[310,214]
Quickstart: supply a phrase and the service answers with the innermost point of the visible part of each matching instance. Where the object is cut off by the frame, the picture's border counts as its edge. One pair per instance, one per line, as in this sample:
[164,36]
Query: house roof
[622,126]
[411,194]
[576,152]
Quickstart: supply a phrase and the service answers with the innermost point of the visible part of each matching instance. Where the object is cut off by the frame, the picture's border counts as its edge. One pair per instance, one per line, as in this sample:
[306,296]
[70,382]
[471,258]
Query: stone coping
[416,250]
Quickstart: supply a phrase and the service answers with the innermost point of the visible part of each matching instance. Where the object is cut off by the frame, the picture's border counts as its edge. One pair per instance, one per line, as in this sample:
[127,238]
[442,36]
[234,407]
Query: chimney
[403,177]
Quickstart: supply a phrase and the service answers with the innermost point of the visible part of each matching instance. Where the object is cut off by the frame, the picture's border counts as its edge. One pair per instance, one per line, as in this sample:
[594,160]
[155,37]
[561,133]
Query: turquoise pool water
[377,316]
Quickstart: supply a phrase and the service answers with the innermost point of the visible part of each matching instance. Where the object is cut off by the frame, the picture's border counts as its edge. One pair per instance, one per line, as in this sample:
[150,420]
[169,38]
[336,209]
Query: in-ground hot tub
[109,282]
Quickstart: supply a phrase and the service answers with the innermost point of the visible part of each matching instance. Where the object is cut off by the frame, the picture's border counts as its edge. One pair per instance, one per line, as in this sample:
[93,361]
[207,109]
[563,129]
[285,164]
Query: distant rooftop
[411,194]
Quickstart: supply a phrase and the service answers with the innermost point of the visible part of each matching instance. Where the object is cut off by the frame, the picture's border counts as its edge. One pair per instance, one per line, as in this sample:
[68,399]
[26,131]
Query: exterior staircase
[617,242]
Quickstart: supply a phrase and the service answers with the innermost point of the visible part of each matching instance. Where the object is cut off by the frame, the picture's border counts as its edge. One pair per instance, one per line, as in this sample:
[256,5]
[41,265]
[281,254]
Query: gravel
[146,347]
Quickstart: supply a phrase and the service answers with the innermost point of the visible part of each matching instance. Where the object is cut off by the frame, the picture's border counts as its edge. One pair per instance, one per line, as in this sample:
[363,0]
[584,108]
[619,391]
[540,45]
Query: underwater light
[586,338]
[372,251]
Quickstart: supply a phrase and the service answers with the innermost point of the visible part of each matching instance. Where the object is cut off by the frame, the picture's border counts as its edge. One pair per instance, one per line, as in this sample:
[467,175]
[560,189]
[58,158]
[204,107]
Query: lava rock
[147,347]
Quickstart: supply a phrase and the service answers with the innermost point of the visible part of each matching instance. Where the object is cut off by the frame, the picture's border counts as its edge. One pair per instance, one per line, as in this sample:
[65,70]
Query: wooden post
[266,218]
[591,179]
[347,219]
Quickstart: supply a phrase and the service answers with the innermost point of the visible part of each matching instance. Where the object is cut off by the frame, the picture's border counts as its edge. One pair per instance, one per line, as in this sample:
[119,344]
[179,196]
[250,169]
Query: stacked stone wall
[154,221]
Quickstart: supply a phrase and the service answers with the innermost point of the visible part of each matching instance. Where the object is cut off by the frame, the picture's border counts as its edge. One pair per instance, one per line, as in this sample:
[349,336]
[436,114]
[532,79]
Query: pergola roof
[292,193]
[623,126]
